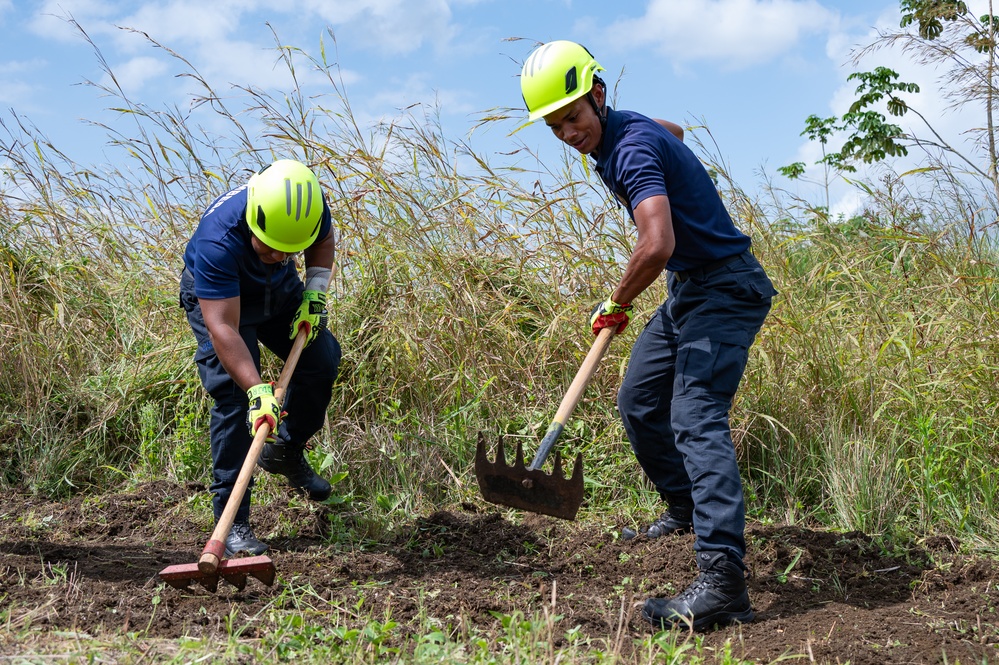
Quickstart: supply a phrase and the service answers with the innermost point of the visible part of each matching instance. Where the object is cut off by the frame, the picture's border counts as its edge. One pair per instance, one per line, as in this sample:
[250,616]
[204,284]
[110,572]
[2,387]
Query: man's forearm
[235,358]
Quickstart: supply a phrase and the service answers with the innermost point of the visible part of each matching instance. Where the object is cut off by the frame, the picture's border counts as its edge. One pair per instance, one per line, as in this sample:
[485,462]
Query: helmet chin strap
[601,111]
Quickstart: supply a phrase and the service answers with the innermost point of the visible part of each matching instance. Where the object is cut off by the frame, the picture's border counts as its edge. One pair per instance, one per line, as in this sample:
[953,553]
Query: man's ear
[599,93]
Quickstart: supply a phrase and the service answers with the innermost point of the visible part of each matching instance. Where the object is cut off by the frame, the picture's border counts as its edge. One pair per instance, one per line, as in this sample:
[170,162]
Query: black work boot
[677,519]
[290,462]
[717,597]
[242,541]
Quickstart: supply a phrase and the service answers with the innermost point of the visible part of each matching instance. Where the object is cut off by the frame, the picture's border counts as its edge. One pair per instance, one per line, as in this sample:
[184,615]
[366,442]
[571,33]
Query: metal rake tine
[265,576]
[236,579]
[179,584]
[557,466]
[519,463]
[210,582]
[500,452]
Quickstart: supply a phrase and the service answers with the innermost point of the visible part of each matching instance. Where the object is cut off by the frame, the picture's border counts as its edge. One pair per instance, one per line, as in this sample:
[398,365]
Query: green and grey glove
[312,314]
[263,409]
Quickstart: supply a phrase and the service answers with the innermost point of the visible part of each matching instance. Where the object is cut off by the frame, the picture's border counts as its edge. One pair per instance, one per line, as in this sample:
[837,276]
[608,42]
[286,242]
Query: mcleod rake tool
[211,566]
[528,487]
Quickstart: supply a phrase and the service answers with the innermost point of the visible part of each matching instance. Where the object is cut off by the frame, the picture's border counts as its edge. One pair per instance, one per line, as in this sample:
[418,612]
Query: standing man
[687,363]
[241,287]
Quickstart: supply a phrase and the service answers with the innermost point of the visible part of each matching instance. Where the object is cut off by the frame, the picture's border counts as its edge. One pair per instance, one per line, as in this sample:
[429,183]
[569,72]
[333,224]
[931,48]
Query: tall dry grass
[460,297]
[873,401]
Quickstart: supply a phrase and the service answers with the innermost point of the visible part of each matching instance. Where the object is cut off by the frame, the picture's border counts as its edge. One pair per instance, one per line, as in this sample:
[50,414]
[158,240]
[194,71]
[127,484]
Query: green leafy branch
[871,137]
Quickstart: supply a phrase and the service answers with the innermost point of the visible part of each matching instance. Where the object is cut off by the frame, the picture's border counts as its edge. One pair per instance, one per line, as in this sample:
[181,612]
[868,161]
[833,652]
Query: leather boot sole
[719,618]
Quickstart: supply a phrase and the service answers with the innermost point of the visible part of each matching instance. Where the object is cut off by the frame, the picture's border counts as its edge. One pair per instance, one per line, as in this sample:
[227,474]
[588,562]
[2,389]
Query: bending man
[241,288]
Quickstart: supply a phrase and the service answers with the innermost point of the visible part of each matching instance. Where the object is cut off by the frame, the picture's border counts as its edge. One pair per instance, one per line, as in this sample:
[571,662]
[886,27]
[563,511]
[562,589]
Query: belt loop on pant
[684,275]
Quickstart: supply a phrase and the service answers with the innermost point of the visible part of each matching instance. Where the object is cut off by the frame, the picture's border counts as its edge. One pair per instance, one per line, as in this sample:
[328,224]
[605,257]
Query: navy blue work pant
[675,399]
[306,399]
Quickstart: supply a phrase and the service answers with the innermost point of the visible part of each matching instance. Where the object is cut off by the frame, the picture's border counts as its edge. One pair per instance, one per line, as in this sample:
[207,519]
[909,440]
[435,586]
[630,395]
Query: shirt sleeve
[216,273]
[641,171]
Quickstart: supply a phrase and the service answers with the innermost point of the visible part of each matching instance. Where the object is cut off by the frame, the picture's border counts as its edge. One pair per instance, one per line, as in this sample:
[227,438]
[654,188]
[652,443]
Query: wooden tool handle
[214,550]
[573,395]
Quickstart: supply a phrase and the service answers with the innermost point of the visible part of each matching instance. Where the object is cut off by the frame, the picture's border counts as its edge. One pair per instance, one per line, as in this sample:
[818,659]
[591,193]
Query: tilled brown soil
[92,566]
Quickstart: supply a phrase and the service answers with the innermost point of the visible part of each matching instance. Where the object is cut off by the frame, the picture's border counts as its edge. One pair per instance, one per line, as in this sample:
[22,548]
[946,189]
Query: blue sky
[751,70]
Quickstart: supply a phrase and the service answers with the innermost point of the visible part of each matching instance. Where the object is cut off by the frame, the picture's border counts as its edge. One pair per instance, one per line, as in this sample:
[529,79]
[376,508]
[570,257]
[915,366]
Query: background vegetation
[460,298]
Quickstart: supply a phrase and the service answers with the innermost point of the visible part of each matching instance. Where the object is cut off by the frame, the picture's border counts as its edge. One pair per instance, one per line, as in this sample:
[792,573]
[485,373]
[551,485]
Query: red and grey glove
[609,314]
[312,314]
[263,409]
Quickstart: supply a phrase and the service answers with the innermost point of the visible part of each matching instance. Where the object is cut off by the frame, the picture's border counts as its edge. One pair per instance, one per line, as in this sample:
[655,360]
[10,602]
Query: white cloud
[134,74]
[846,203]
[930,101]
[734,33]
[170,23]
[185,21]
[210,34]
[418,89]
[951,124]
[50,19]
[20,66]
[19,83]
[245,63]
[16,93]
[391,26]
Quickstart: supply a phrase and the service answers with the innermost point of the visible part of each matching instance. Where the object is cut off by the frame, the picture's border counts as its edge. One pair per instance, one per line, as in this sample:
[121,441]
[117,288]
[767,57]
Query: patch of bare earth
[92,565]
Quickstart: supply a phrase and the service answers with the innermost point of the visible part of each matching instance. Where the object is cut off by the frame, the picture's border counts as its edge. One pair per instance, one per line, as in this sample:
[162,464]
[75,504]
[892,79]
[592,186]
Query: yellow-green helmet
[284,205]
[556,74]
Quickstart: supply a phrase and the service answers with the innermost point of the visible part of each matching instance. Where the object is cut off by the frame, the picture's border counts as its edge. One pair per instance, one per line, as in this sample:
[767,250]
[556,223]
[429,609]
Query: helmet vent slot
[295,199]
[571,81]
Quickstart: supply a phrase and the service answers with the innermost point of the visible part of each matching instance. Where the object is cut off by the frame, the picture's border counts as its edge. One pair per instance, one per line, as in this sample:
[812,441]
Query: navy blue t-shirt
[221,259]
[640,158]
